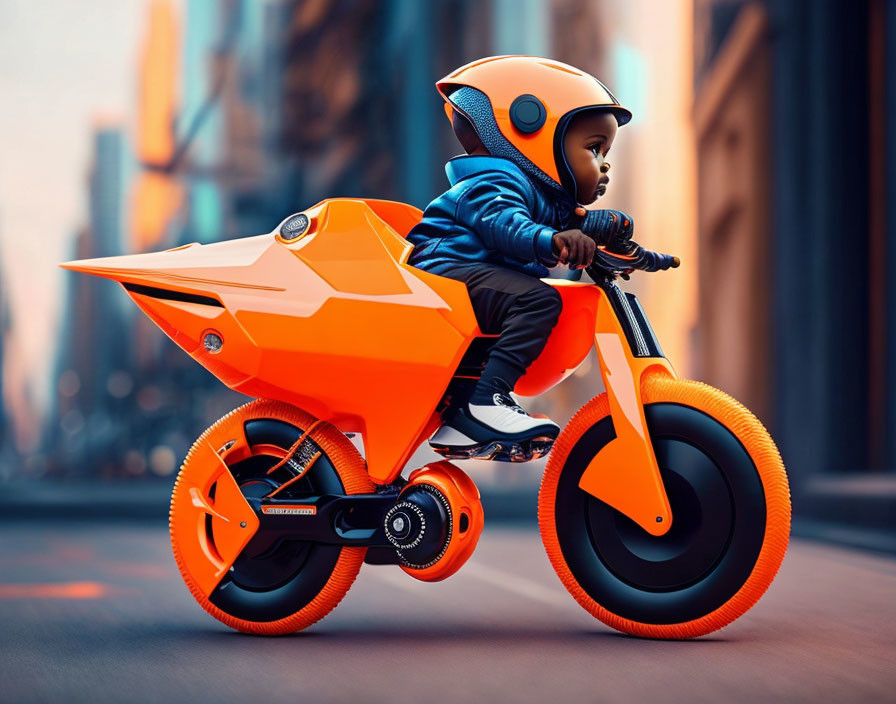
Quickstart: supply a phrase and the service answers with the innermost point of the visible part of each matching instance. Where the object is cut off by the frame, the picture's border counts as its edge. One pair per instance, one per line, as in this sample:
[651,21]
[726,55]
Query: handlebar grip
[656,261]
[606,262]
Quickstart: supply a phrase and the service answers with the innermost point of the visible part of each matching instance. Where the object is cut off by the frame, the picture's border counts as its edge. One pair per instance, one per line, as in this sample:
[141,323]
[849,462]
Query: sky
[64,66]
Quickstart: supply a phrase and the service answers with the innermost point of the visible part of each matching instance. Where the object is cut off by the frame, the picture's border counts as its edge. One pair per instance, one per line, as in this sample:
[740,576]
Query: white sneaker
[501,430]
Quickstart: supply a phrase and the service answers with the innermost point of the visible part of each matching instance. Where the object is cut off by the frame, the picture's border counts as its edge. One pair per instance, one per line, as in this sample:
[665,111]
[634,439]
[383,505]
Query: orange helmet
[521,106]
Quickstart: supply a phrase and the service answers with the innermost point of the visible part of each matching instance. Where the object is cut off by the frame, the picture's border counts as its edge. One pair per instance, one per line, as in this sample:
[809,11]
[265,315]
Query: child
[536,133]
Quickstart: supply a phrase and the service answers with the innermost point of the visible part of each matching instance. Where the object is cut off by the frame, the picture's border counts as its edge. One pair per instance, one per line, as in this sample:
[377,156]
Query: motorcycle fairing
[371,353]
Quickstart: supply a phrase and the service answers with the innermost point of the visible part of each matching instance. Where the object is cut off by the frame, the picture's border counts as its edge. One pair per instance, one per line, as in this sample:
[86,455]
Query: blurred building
[156,196]
[795,111]
[199,121]
[93,365]
[19,416]
[6,435]
[226,157]
[360,114]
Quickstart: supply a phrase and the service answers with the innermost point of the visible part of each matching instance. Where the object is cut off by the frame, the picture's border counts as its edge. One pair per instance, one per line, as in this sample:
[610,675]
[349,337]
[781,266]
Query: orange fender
[625,474]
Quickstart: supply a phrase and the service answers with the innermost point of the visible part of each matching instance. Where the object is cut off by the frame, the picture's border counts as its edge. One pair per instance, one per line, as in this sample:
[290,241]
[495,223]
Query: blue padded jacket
[492,213]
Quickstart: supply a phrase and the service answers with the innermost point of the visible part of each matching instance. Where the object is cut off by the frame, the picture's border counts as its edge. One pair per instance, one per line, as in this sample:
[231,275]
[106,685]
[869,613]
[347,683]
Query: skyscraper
[5,434]
[156,193]
[228,161]
[95,340]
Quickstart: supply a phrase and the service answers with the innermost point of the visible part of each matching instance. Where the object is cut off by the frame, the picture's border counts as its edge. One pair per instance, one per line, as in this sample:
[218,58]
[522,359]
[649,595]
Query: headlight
[213,342]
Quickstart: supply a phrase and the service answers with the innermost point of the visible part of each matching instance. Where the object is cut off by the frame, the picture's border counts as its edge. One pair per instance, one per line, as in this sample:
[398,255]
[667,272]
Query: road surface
[97,612]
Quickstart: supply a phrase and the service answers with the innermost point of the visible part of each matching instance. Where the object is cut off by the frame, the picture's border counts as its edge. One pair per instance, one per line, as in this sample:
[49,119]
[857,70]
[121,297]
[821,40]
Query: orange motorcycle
[664,507]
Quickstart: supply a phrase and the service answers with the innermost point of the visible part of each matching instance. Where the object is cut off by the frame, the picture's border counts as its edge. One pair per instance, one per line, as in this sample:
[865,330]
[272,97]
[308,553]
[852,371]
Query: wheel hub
[419,526]
[701,525]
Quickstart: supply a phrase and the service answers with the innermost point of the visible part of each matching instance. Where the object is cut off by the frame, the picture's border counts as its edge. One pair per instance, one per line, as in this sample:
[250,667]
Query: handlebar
[606,263]
[613,264]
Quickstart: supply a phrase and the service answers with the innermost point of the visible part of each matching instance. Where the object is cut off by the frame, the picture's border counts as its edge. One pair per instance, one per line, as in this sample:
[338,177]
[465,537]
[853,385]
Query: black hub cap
[702,525]
[430,526]
[718,510]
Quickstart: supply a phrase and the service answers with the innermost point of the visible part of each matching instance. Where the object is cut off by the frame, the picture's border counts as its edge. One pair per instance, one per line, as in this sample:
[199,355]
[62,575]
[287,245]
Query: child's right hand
[574,248]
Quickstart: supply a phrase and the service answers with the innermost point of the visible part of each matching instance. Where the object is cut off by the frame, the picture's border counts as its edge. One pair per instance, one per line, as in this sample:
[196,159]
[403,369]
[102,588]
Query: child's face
[586,143]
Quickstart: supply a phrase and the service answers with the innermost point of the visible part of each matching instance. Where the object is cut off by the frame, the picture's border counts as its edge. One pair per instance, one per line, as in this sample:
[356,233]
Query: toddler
[536,134]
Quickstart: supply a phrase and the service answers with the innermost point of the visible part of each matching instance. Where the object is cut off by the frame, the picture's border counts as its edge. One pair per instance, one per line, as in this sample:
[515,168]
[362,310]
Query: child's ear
[449,111]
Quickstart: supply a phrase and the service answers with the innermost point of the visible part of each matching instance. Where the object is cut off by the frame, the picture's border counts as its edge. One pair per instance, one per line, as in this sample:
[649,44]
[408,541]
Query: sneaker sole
[498,450]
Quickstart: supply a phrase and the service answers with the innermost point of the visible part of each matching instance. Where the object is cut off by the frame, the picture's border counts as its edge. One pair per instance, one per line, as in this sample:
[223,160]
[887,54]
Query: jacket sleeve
[494,207]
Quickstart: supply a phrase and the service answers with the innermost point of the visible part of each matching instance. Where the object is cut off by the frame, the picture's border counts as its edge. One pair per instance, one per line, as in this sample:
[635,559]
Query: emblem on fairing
[294,226]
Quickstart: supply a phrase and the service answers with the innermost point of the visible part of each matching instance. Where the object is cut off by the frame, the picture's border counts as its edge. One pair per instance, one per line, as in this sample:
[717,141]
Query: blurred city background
[762,152]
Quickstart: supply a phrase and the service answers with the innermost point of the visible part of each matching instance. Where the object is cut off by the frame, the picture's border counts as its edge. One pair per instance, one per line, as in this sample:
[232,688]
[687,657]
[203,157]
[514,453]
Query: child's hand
[611,228]
[574,248]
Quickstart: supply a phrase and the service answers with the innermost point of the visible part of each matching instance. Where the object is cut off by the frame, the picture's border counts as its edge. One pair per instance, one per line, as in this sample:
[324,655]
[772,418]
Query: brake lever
[612,264]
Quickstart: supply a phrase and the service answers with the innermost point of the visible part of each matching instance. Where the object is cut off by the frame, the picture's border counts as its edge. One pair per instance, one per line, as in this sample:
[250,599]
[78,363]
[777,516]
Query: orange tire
[697,578]
[341,468]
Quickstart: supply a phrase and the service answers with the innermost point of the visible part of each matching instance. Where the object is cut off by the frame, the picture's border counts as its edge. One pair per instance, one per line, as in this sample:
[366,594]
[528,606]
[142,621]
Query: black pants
[520,308]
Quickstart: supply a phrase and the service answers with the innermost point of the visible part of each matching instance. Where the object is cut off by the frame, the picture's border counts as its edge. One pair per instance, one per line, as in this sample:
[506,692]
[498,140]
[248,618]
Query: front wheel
[730,510]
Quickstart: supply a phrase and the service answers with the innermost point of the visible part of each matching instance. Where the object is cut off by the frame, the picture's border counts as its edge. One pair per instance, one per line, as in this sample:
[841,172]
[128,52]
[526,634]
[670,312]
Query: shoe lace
[508,402]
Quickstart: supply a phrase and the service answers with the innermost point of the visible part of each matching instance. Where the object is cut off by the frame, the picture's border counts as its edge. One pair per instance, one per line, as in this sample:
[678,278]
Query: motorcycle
[664,507]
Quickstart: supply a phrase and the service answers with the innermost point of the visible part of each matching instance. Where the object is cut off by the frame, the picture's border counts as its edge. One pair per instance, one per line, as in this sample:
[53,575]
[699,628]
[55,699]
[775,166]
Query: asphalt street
[97,612]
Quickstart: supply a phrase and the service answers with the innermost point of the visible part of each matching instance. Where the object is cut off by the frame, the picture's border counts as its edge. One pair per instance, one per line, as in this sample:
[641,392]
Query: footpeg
[499,451]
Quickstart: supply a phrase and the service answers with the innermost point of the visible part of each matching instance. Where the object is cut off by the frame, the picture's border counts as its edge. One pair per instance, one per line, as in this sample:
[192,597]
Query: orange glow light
[64,590]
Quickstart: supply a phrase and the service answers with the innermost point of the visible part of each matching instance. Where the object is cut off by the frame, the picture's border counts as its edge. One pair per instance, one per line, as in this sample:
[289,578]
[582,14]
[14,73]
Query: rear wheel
[730,506]
[247,580]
